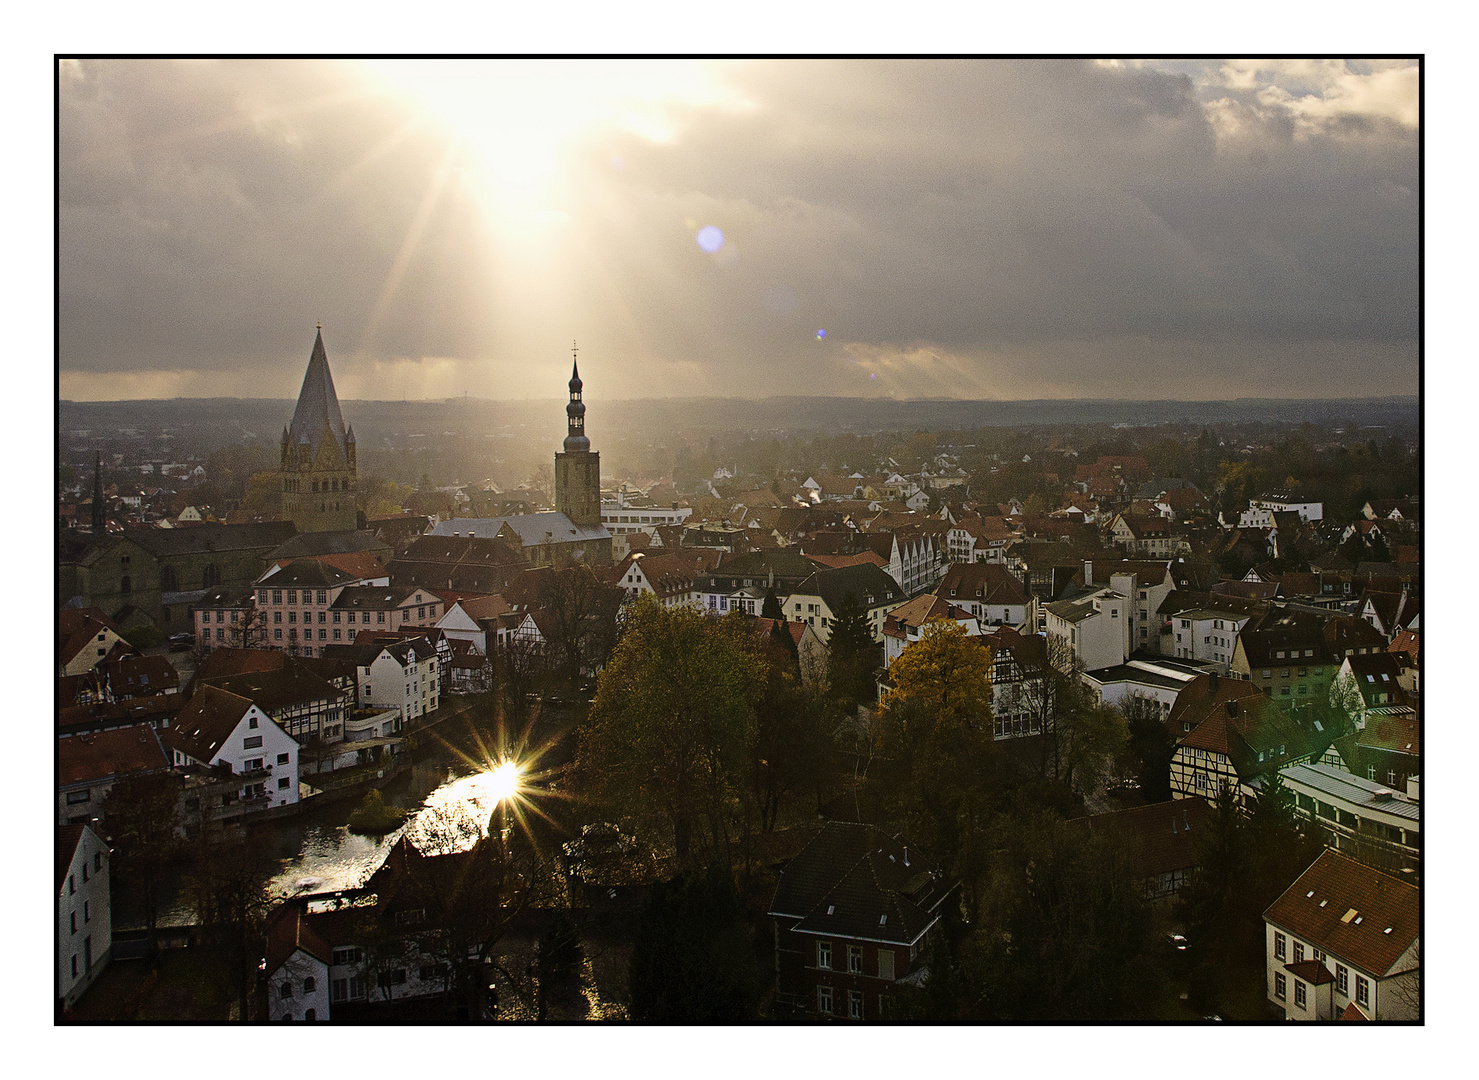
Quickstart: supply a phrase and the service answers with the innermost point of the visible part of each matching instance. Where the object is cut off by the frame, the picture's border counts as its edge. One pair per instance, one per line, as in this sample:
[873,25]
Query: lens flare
[711,238]
[503,781]
[821,334]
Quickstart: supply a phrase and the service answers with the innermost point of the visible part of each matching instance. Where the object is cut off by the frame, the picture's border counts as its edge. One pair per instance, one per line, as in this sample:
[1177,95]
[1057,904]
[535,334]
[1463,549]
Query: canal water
[314,851]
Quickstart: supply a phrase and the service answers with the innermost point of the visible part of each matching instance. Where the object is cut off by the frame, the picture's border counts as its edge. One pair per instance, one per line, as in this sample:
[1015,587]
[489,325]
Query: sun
[503,781]
[515,120]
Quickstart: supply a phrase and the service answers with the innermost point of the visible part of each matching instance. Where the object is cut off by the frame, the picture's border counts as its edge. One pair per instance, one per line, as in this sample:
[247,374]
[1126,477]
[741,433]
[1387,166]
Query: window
[1280,986]
[824,954]
[87,911]
[292,596]
[321,597]
[286,990]
[75,797]
[71,884]
[1278,946]
[855,1004]
[282,759]
[824,1000]
[886,964]
[309,985]
[347,954]
[855,959]
[277,596]
[1298,951]
[74,965]
[432,971]
[323,616]
[1343,980]
[251,742]
[1363,992]
[392,978]
[311,1014]
[252,722]
[379,616]
[282,783]
[252,765]
[1299,993]
[323,635]
[277,634]
[73,917]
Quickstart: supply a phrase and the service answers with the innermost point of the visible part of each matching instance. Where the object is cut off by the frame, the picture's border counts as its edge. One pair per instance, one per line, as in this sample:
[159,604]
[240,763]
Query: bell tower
[577,469]
[319,467]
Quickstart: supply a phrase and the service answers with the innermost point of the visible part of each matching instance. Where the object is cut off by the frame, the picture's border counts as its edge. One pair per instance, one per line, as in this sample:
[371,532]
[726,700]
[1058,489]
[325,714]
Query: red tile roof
[104,755]
[1351,911]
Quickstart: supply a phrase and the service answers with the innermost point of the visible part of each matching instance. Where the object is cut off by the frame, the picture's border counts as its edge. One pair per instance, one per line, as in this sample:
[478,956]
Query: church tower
[577,470]
[318,454]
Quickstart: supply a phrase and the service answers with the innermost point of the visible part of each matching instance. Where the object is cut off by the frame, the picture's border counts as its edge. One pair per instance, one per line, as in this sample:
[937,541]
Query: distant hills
[261,420]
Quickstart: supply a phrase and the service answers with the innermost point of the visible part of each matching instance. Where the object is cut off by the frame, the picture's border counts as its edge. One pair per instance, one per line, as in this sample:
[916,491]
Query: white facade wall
[258,744]
[298,988]
[413,689]
[1384,997]
[1206,635]
[84,919]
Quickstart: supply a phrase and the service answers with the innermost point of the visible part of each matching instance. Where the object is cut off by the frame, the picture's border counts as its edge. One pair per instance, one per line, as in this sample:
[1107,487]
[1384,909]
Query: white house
[1094,626]
[1355,813]
[297,968]
[84,915]
[216,728]
[1283,501]
[1206,634]
[1344,937]
[399,675]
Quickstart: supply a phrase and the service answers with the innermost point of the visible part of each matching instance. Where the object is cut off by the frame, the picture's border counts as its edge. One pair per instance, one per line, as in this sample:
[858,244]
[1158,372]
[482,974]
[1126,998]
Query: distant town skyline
[985,229]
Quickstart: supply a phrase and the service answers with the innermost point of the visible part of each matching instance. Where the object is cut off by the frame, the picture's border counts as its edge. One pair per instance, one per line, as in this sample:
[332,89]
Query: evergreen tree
[852,655]
[771,609]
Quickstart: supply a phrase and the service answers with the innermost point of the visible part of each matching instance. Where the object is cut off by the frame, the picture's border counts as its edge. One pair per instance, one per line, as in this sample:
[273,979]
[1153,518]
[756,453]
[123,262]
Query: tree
[1089,738]
[228,889]
[141,818]
[936,742]
[1065,934]
[693,960]
[1150,748]
[578,612]
[672,718]
[852,655]
[771,608]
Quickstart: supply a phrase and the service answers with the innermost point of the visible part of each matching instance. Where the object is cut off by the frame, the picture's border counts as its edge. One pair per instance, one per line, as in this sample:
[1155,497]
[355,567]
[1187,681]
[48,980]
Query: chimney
[1088,572]
[1232,708]
[1212,682]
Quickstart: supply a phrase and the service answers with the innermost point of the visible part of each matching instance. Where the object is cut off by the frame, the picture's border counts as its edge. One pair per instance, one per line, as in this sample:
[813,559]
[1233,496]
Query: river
[314,851]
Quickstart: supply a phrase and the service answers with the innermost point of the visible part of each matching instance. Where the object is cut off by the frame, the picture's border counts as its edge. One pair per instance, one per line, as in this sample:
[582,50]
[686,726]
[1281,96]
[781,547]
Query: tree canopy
[672,719]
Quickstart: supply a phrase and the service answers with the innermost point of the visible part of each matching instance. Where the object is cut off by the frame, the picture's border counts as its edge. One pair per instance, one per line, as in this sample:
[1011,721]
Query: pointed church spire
[575,411]
[318,404]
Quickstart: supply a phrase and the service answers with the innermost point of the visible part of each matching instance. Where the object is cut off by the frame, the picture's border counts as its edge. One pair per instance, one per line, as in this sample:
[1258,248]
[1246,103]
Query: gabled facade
[1360,928]
[84,911]
[1094,627]
[1240,741]
[227,733]
[854,916]
[818,599]
[990,592]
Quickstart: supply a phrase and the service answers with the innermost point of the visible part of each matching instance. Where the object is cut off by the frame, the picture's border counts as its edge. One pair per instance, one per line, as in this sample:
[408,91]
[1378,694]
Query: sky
[998,229]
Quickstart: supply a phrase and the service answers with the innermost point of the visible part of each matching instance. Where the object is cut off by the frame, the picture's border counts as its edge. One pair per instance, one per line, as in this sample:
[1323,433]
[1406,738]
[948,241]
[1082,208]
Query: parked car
[181,642]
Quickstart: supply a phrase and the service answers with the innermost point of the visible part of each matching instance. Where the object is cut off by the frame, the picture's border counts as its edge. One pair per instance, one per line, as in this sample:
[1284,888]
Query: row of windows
[1342,973]
[854,1002]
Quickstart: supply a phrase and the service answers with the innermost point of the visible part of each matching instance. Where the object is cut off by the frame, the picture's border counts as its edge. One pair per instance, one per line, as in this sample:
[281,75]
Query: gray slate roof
[854,881]
[318,405]
[531,528]
[865,582]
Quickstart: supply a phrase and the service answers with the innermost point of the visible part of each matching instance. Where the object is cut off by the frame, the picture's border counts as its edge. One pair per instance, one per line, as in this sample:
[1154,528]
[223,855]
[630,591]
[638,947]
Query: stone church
[319,483]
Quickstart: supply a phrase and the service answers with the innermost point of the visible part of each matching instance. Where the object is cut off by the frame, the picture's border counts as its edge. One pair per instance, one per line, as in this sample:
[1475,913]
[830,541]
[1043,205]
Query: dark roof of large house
[289,929]
[865,583]
[1347,634]
[365,652]
[1029,650]
[787,564]
[332,542]
[206,722]
[1159,838]
[1348,909]
[307,573]
[853,881]
[104,755]
[1205,693]
[275,691]
[1244,728]
[378,597]
[107,714]
[1284,636]
[988,583]
[137,676]
[206,537]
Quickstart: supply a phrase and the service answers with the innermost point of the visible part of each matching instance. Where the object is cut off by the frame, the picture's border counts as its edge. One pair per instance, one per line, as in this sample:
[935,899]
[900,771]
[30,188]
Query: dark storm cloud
[1016,227]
